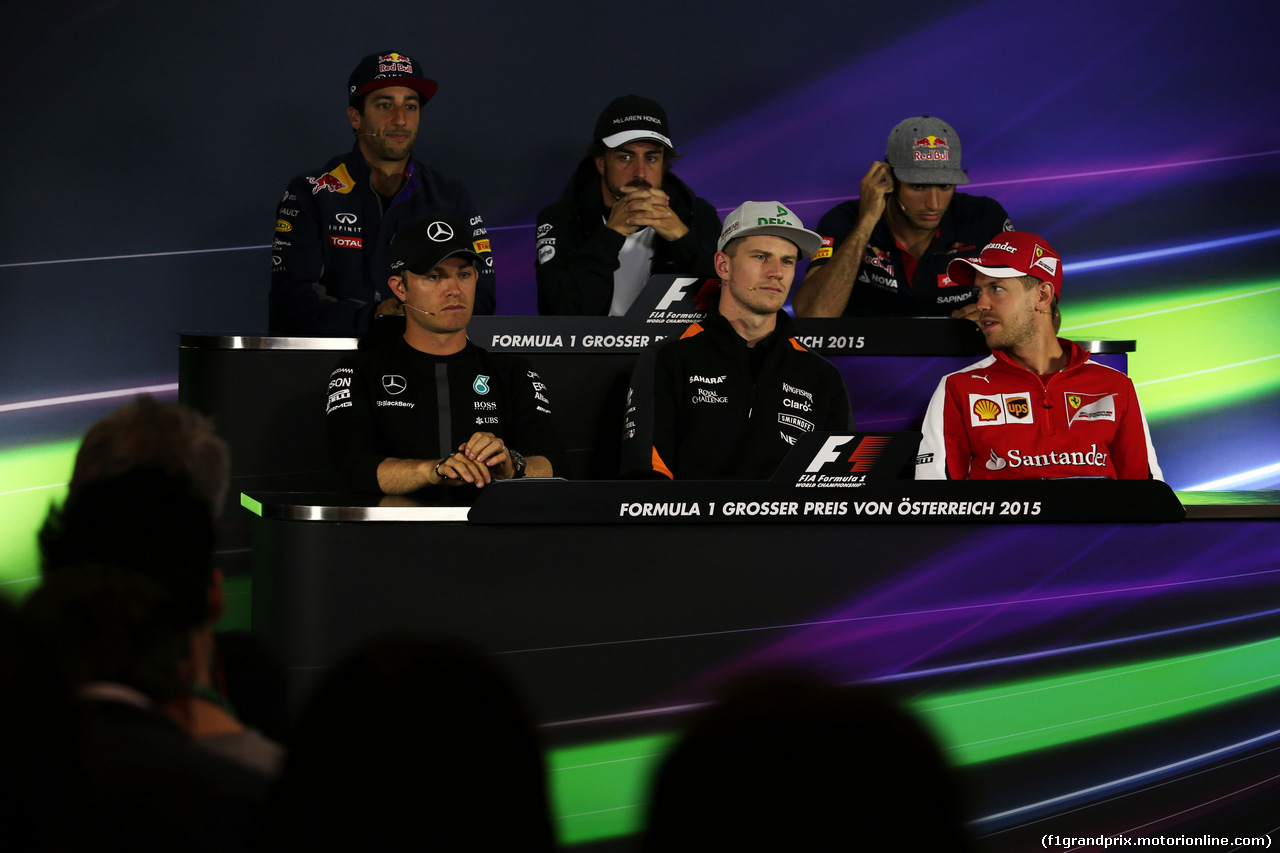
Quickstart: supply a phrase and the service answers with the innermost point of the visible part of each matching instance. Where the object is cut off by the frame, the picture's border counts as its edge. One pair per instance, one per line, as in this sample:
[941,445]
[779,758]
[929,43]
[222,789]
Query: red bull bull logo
[395,62]
[327,181]
[936,148]
[337,181]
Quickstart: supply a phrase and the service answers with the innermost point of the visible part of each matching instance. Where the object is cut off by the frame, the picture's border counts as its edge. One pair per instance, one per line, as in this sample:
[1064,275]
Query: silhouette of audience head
[786,762]
[414,738]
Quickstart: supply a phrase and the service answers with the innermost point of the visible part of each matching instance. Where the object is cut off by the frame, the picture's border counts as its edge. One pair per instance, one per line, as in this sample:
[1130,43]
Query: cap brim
[424,265]
[926,175]
[962,270]
[806,241]
[632,135]
[424,87]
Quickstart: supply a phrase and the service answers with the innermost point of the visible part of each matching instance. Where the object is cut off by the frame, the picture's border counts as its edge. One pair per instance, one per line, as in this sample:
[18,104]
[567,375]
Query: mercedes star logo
[345,218]
[392,383]
[439,231]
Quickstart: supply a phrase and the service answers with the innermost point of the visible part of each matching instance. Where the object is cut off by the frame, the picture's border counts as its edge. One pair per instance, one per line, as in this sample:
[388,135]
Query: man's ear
[353,115]
[600,166]
[722,265]
[396,283]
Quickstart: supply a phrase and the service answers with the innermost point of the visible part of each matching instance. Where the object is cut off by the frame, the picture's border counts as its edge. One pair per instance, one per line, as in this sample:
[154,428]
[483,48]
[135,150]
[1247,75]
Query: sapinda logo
[863,458]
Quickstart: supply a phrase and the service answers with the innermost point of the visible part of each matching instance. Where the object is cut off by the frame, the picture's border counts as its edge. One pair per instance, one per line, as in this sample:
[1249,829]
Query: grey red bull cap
[925,150]
[388,68]
[1009,255]
[772,219]
[632,117]
[420,246]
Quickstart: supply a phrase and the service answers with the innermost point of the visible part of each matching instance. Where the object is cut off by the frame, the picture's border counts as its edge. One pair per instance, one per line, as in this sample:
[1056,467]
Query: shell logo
[986,410]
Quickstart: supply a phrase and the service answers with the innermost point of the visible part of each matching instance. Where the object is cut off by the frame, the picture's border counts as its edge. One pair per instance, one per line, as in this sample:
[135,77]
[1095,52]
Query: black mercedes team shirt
[394,401]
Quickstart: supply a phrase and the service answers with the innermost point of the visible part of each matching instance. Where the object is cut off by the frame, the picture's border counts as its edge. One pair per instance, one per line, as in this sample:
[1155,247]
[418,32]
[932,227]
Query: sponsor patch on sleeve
[825,252]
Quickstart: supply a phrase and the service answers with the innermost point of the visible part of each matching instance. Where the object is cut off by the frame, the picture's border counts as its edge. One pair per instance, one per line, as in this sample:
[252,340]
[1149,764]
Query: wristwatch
[517,462]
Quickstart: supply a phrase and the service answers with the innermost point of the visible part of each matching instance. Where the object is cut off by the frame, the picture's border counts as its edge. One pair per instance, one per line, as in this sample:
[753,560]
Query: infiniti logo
[345,218]
[439,231]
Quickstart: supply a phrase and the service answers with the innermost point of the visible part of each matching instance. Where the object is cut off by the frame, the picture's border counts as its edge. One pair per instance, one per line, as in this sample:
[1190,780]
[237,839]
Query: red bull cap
[1009,255]
[925,150]
[388,68]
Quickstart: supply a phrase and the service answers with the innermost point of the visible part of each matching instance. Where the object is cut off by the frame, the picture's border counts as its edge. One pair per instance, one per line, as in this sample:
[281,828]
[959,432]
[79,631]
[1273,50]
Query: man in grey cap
[730,396]
[622,218]
[886,254]
[431,408]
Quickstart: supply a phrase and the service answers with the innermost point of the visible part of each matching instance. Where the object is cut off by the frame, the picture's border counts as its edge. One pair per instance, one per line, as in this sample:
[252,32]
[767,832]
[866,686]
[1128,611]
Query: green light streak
[250,504]
[600,791]
[31,478]
[1197,348]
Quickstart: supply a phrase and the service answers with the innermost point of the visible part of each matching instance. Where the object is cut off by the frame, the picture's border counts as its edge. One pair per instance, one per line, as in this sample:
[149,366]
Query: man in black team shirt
[431,408]
[886,254]
[623,217]
[730,396]
[331,254]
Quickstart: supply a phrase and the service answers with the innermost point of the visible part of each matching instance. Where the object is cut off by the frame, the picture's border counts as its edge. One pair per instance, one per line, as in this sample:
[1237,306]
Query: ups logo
[1018,407]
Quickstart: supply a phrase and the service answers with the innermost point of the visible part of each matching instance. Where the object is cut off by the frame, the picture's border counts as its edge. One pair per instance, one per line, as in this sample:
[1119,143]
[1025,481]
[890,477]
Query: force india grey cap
[771,218]
[925,150]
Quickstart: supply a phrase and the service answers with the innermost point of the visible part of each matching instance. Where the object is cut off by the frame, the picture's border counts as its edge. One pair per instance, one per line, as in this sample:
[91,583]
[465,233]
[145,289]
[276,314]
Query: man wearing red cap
[331,256]
[1037,407]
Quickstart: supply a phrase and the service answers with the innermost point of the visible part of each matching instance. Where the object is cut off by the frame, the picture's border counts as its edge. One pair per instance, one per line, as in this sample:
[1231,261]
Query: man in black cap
[886,254]
[431,408]
[622,218]
[331,254]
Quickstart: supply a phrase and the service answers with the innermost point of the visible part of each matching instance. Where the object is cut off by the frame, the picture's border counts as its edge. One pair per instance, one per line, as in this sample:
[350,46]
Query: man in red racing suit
[1037,407]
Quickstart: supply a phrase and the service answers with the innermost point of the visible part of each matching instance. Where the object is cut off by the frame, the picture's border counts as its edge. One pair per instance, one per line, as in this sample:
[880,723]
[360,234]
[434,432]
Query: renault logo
[439,231]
